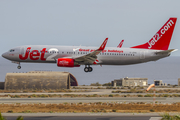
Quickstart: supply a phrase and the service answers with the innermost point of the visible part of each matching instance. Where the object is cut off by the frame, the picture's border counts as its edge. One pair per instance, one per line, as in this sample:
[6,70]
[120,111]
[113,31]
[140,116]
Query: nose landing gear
[19,66]
[88,69]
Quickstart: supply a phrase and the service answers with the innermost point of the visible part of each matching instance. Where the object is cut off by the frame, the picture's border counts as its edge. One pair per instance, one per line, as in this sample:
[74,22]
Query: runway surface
[92,99]
[93,91]
[83,116]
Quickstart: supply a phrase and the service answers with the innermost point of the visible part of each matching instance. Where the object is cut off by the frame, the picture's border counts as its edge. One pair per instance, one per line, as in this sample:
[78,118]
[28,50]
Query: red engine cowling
[66,62]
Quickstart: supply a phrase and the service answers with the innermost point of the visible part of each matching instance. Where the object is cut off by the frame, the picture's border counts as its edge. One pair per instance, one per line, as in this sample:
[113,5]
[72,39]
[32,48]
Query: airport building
[1,85]
[178,81]
[39,80]
[159,83]
[128,82]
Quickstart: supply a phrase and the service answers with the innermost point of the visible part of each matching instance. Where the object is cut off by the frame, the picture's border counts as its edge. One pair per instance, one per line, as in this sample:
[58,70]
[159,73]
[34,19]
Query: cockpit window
[11,50]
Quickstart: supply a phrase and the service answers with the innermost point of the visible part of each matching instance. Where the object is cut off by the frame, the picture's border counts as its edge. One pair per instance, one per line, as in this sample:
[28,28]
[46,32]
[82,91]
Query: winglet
[103,44]
[120,44]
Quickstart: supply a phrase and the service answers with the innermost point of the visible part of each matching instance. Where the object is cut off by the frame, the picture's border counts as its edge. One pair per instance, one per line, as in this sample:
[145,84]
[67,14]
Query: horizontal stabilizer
[166,51]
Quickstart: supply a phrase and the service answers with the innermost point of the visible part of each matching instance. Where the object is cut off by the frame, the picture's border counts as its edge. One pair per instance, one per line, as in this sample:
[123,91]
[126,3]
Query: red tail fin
[161,40]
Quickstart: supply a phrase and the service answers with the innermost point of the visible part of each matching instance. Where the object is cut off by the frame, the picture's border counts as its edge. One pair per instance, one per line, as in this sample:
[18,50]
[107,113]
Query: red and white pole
[152,85]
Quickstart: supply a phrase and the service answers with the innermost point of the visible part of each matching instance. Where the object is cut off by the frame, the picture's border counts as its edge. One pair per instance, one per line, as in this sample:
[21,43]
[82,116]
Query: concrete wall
[131,82]
[134,81]
[2,85]
[37,80]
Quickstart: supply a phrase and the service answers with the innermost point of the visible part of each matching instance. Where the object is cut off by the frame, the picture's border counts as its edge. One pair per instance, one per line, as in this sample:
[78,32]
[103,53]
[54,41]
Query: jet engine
[66,62]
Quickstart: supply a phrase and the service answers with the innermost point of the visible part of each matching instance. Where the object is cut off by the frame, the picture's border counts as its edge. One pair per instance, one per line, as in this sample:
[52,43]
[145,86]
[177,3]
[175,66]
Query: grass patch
[89,107]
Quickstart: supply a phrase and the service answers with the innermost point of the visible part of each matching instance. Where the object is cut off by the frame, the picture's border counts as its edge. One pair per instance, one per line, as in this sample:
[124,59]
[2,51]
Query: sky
[85,22]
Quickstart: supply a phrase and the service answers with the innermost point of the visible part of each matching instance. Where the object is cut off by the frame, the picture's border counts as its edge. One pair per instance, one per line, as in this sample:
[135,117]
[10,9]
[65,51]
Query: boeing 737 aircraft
[74,56]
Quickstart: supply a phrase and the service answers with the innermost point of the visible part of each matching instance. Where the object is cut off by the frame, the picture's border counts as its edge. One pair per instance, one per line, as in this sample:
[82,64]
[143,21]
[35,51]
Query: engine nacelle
[66,62]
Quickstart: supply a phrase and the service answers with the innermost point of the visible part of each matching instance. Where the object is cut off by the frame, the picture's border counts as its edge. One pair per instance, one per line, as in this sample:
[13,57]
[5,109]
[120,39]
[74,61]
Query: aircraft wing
[91,57]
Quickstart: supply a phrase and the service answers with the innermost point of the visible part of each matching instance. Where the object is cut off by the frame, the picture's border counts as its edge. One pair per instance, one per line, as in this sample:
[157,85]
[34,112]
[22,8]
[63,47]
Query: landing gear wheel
[19,67]
[86,69]
[90,69]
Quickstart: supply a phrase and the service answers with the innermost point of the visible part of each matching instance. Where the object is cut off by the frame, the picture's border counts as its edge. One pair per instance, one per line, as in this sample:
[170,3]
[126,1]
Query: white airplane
[74,56]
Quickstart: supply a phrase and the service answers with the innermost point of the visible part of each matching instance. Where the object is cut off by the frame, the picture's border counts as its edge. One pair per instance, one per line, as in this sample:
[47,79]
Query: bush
[166,116]
[165,95]
[26,111]
[148,95]
[34,95]
[107,84]
[17,96]
[109,87]
[114,110]
[1,117]
[95,84]
[43,95]
[140,95]
[20,118]
[10,111]
[151,110]
[111,95]
[95,95]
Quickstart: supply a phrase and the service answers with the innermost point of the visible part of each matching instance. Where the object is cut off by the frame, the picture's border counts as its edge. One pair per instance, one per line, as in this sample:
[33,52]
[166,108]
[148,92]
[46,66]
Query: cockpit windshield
[12,50]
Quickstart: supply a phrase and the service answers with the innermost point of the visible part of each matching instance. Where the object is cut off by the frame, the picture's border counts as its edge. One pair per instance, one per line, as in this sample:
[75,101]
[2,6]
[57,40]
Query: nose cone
[4,55]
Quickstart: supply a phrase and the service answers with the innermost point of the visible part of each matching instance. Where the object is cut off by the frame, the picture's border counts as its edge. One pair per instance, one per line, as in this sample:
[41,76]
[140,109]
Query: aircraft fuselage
[109,56]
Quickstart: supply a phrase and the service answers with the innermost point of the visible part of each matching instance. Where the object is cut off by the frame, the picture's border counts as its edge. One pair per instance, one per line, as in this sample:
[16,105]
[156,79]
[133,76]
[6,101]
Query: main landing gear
[88,69]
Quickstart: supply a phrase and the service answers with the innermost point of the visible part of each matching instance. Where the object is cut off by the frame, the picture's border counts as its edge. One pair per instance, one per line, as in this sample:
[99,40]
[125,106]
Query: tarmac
[87,116]
[162,100]
[84,116]
[90,92]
